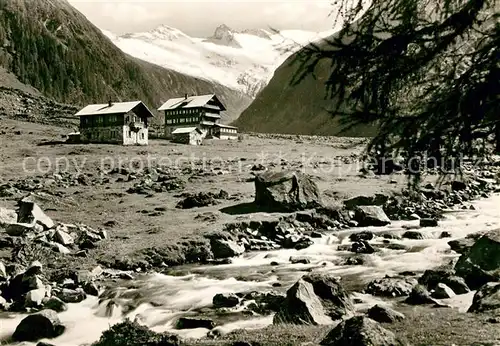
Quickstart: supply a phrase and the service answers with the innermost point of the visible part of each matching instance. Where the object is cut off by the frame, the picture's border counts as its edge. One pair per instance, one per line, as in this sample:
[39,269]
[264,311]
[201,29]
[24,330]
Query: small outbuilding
[187,135]
[224,131]
[73,137]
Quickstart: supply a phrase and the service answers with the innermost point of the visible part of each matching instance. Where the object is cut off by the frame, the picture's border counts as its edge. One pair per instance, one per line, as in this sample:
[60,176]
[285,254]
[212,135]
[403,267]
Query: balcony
[136,126]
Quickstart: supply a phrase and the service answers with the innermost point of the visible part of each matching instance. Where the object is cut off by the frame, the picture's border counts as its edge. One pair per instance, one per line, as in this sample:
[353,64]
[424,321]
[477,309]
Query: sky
[201,17]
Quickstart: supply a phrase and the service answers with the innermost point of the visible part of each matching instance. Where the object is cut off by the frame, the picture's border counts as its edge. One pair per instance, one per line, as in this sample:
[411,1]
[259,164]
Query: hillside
[296,109]
[51,46]
[242,60]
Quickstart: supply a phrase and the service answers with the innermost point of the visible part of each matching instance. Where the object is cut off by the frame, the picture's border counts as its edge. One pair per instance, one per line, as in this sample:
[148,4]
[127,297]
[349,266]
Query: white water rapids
[158,300]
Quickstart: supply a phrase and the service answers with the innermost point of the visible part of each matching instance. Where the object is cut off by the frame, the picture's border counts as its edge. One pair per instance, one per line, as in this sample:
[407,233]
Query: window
[127,119]
[142,135]
[130,134]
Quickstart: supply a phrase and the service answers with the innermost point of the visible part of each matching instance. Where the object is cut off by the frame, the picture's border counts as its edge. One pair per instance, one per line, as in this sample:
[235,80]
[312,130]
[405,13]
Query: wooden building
[123,123]
[224,132]
[187,135]
[201,111]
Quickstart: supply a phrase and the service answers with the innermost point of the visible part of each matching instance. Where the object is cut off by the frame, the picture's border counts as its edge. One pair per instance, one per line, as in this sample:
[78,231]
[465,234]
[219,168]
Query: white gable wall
[131,137]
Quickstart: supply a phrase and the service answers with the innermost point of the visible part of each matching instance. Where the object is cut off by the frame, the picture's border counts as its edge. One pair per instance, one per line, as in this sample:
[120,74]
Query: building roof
[181,130]
[116,108]
[190,102]
[208,123]
[226,126]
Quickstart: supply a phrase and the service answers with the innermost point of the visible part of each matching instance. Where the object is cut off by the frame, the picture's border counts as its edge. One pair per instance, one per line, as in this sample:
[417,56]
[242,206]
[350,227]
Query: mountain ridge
[242,60]
[51,46]
[303,108]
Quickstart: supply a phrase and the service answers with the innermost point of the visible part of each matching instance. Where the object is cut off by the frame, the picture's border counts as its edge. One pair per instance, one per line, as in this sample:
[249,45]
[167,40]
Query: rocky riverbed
[199,250]
[264,288]
[346,250]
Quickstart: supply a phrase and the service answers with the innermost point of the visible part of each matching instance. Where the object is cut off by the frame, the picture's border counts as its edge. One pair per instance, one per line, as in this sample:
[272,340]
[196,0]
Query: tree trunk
[497,138]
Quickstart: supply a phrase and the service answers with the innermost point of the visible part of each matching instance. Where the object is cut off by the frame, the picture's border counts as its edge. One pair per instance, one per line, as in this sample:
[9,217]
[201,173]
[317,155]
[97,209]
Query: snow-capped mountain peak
[224,35]
[222,31]
[243,60]
[166,31]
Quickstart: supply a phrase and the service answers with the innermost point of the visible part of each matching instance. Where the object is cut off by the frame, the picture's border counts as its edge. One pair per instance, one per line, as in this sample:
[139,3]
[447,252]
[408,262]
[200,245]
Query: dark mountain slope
[51,46]
[296,109]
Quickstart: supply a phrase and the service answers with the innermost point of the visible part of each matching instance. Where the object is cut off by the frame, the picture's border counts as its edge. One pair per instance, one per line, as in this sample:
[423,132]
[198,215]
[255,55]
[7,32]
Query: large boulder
[71,296]
[462,246]
[18,229]
[433,277]
[360,331]
[225,248]
[302,306]
[34,298]
[419,295]
[377,199]
[286,191]
[223,300]
[362,247]
[63,237]
[44,324]
[265,303]
[56,304]
[193,322]
[428,222]
[334,298]
[391,287]
[481,264]
[371,215]
[415,235]
[364,235]
[487,299]
[442,292]
[384,314]
[30,212]
[7,216]
[24,282]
